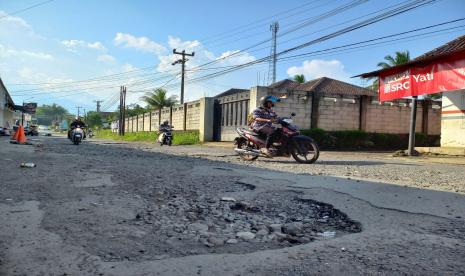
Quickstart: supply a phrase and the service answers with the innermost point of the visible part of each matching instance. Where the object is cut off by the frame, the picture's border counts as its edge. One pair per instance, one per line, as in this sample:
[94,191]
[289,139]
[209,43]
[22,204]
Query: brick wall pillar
[184,119]
[364,100]
[206,115]
[316,97]
[424,118]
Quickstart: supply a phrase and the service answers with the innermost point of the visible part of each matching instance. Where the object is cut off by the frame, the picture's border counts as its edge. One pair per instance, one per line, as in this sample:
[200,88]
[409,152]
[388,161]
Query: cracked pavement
[106,208]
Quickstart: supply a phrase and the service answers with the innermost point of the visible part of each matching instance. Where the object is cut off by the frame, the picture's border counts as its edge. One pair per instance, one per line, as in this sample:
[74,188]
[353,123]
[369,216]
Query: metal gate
[228,115]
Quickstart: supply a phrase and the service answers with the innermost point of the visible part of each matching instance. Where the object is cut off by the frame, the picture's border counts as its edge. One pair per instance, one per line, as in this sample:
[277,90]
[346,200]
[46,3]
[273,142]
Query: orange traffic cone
[20,137]
[15,135]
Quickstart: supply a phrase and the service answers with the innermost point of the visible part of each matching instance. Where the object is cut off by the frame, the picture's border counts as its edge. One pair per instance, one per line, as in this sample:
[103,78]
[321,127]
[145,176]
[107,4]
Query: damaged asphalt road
[110,209]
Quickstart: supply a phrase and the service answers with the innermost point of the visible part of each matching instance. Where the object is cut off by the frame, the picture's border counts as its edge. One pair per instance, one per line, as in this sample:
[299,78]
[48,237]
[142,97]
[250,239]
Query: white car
[45,130]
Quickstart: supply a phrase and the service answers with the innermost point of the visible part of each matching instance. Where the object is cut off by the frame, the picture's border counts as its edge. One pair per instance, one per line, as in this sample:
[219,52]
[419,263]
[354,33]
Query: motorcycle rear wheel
[312,149]
[246,145]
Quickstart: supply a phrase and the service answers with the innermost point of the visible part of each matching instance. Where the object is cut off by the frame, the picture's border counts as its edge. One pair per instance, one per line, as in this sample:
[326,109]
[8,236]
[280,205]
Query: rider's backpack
[250,119]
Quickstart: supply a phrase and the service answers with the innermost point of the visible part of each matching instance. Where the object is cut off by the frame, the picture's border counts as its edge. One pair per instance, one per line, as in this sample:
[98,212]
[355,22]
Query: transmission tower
[272,63]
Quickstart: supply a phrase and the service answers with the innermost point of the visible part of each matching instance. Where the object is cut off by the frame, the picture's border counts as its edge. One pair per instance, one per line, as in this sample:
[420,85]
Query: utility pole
[79,109]
[413,121]
[98,104]
[122,110]
[272,65]
[183,62]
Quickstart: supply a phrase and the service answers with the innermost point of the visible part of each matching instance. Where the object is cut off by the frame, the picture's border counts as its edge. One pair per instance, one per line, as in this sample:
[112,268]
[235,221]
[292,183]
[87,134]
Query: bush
[189,137]
[356,139]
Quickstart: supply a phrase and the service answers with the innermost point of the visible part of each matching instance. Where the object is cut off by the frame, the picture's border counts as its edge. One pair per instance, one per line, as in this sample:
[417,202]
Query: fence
[217,118]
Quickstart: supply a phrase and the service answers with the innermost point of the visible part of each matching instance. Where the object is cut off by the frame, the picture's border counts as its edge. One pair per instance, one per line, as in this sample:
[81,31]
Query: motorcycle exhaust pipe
[248,152]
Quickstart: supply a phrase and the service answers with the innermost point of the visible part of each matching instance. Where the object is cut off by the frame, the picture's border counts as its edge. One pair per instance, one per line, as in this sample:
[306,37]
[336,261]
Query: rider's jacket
[264,113]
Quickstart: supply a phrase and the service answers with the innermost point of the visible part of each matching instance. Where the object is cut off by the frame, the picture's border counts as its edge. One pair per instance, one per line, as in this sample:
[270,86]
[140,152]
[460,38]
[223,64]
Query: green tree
[158,99]
[299,78]
[400,57]
[94,119]
[133,110]
[46,114]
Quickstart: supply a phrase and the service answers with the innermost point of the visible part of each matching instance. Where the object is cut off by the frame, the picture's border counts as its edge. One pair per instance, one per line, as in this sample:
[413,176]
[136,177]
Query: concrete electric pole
[79,109]
[183,62]
[122,110]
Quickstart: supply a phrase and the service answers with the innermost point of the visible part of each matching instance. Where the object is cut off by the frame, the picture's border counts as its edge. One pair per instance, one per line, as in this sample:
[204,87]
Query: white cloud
[107,59]
[15,26]
[318,68]
[96,45]
[140,43]
[22,54]
[72,44]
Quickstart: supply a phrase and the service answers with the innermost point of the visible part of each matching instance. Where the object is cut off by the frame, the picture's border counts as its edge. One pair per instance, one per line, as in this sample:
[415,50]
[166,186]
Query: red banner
[443,75]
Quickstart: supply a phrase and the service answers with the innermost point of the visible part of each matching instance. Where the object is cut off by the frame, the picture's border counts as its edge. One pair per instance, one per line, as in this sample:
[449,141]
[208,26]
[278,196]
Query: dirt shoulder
[430,172]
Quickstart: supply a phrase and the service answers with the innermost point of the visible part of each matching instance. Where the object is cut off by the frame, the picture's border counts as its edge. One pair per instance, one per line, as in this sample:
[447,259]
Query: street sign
[443,75]
[30,108]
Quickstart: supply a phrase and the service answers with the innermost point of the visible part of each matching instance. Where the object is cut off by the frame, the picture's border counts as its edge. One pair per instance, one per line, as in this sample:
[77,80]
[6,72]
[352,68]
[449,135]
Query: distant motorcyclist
[164,129]
[76,123]
[264,116]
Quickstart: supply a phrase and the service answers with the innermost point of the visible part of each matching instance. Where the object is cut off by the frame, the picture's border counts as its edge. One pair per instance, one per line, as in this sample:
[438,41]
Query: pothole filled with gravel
[188,226]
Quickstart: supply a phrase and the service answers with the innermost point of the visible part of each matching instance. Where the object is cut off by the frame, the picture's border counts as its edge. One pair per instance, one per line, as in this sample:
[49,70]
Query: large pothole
[183,226]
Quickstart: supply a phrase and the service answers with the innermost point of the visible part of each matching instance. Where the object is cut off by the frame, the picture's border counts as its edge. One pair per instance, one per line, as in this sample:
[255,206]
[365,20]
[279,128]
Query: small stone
[216,241]
[228,199]
[275,227]
[262,232]
[245,235]
[232,241]
[292,229]
[199,227]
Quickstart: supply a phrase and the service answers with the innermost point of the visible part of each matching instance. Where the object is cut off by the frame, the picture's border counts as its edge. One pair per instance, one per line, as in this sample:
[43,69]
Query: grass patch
[188,137]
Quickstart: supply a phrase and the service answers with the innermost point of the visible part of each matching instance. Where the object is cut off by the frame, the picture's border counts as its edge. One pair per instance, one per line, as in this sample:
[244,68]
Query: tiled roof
[324,86]
[451,47]
[231,92]
[284,84]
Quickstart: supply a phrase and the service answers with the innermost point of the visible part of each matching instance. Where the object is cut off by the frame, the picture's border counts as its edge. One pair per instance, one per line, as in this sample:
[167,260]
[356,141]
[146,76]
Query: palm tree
[400,58]
[299,78]
[158,100]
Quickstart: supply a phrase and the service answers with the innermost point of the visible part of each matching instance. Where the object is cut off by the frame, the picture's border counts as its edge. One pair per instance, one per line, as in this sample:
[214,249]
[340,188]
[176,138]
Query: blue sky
[52,46]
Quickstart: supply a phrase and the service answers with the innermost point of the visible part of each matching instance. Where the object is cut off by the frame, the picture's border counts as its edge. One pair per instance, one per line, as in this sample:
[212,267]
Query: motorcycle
[289,143]
[77,135]
[166,136]
[90,133]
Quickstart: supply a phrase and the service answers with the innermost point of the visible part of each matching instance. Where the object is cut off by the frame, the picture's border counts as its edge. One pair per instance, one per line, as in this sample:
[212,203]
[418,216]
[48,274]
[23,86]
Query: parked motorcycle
[90,133]
[77,135]
[166,136]
[289,142]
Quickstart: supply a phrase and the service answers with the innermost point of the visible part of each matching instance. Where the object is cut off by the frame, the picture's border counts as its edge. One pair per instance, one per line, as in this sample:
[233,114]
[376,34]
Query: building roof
[451,47]
[9,100]
[231,92]
[325,86]
[285,84]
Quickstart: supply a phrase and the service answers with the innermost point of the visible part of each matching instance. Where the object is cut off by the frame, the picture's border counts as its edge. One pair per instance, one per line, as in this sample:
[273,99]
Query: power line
[25,9]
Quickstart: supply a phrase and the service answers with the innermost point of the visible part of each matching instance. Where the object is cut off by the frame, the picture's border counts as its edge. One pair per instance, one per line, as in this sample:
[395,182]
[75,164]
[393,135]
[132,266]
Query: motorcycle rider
[162,129]
[264,116]
[76,123]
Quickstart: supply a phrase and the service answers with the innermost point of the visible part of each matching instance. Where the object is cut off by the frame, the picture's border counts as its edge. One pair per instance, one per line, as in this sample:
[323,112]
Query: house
[7,108]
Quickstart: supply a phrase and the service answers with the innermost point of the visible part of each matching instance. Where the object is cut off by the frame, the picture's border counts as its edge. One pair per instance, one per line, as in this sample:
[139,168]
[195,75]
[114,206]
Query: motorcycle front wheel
[243,144]
[309,155]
